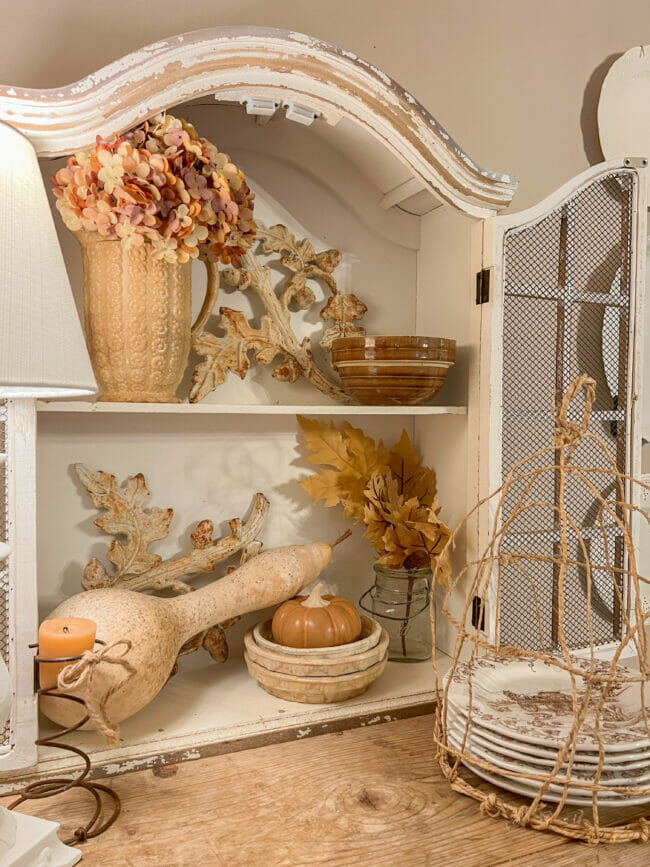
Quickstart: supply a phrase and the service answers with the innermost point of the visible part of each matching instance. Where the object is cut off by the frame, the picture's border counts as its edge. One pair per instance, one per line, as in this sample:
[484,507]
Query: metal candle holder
[50,787]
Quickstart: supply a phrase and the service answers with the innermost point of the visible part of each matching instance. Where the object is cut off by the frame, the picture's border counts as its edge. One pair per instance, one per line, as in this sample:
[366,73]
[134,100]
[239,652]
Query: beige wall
[514,81]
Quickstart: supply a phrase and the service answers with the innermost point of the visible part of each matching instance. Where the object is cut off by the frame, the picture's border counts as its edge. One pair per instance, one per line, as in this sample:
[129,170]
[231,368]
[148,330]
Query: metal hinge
[478,613]
[483,286]
[635,162]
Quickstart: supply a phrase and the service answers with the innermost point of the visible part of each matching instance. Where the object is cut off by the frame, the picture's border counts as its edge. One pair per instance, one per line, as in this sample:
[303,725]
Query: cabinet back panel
[202,467]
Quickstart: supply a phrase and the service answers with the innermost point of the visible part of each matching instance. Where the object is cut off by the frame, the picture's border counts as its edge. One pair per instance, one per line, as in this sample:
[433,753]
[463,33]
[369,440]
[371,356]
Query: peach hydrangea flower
[111,170]
[159,183]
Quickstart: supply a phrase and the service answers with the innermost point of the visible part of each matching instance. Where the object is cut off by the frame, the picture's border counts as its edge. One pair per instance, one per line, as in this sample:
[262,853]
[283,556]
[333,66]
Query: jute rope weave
[591,681]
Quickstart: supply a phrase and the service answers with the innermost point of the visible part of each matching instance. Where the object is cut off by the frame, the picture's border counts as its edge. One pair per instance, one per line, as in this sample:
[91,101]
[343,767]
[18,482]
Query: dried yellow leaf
[324,486]
[406,532]
[415,480]
[351,457]
[391,492]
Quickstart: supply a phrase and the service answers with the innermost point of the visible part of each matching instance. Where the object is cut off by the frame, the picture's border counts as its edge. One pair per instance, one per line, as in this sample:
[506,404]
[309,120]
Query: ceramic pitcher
[137,318]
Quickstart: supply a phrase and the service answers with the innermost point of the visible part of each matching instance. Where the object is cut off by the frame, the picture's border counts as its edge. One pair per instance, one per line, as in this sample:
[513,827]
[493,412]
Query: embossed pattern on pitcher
[137,312]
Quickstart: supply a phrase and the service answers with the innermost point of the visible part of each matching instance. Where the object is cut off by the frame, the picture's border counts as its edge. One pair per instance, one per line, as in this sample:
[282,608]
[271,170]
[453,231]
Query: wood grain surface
[370,796]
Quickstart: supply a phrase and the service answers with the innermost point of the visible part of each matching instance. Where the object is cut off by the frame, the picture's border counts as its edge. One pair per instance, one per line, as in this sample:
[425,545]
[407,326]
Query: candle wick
[66,630]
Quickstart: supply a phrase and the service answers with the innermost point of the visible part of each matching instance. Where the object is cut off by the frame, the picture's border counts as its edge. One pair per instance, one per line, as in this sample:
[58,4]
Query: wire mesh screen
[567,291]
[4,569]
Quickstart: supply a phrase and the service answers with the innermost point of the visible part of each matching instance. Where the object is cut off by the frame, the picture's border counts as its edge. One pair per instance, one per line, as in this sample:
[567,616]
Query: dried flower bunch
[160,182]
[388,490]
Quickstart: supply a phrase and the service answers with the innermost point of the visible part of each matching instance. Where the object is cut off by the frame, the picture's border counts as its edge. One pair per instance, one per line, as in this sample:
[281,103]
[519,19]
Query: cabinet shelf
[245,409]
[208,709]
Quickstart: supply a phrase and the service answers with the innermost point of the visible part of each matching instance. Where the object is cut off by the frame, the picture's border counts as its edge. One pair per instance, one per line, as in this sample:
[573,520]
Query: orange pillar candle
[62,637]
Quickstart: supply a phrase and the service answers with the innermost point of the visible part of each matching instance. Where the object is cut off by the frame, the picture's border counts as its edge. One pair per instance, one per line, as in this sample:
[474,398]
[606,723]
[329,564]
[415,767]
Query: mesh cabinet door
[566,297]
[18,617]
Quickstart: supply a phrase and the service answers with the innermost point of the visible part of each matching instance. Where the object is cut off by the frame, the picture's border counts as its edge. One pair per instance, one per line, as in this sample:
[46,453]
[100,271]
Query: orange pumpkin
[316,621]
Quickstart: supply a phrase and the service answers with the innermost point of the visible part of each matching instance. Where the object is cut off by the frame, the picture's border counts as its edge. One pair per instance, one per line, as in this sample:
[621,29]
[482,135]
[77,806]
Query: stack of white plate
[515,714]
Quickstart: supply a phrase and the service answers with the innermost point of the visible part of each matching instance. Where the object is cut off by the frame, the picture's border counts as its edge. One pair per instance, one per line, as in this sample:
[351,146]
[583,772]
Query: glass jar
[399,600]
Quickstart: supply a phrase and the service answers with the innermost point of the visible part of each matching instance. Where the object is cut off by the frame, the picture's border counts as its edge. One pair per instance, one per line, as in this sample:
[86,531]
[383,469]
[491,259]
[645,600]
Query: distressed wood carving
[275,339]
[240,63]
[137,568]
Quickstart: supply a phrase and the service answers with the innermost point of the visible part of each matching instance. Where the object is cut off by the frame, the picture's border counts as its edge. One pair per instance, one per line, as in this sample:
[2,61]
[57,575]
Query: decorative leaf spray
[274,339]
[390,491]
[137,568]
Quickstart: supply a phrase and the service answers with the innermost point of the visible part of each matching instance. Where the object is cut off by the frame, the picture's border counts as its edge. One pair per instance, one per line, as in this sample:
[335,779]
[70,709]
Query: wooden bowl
[314,690]
[370,635]
[309,665]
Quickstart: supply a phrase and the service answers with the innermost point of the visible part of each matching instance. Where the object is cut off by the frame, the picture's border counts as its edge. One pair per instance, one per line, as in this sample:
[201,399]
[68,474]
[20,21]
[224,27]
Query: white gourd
[159,627]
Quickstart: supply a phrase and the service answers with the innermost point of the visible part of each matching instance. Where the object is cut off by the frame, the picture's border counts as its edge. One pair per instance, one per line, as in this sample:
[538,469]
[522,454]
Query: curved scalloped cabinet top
[240,64]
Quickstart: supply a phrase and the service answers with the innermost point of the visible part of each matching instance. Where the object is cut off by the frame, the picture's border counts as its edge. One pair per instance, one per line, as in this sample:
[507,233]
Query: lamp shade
[42,348]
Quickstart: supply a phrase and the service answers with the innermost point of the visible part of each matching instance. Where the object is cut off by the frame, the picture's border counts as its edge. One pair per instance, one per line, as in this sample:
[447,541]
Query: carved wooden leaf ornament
[124,515]
[296,293]
[327,261]
[230,353]
[276,239]
[136,568]
[275,338]
[342,310]
[288,371]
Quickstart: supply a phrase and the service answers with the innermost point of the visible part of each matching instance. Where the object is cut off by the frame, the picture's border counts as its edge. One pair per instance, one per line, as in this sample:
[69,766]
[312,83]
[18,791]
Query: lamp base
[26,841]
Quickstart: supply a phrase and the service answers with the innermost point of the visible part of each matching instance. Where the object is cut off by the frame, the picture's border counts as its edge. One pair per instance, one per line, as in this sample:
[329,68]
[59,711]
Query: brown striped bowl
[385,370]
[393,347]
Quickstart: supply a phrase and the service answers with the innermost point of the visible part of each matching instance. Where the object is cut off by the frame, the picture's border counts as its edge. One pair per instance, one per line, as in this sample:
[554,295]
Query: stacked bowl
[316,675]
[392,370]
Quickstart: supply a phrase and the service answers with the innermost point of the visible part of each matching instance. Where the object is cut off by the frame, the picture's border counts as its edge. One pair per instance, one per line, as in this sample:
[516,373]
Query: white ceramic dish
[370,635]
[530,791]
[618,761]
[637,779]
[623,118]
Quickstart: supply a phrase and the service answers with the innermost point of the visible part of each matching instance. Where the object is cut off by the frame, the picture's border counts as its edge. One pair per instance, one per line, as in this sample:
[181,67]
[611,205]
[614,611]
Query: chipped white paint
[237,63]
[190,755]
[303,733]
[115,768]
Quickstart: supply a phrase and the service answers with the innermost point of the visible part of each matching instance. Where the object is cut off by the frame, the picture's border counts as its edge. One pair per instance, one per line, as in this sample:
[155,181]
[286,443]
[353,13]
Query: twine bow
[569,433]
[81,674]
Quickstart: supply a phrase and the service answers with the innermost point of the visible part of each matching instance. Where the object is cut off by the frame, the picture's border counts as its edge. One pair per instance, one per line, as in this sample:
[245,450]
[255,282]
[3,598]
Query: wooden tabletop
[370,796]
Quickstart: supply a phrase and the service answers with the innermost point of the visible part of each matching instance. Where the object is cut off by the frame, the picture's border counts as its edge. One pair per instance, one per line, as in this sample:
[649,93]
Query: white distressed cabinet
[341,154]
